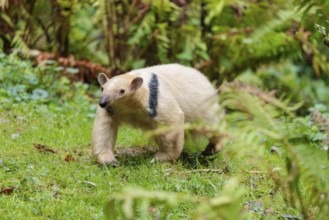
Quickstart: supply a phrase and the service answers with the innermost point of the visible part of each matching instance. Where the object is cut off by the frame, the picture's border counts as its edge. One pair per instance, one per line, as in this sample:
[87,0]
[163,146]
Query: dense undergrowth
[274,163]
[221,37]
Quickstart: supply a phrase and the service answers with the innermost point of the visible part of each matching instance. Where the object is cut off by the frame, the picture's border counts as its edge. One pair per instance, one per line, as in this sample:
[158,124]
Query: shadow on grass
[134,156]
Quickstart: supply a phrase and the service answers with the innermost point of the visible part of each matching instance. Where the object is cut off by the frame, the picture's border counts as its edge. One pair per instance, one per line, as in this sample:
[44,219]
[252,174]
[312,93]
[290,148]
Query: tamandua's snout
[103,101]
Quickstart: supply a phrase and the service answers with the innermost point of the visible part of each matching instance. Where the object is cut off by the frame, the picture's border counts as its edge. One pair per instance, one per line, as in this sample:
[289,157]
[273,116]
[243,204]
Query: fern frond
[254,120]
[283,17]
[135,203]
[19,43]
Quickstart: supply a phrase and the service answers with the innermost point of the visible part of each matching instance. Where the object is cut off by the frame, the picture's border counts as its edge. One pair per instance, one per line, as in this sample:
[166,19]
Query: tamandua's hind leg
[170,146]
[213,147]
[171,143]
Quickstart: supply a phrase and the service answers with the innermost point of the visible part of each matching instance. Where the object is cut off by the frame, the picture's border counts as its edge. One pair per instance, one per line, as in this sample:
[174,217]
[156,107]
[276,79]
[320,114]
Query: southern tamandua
[168,95]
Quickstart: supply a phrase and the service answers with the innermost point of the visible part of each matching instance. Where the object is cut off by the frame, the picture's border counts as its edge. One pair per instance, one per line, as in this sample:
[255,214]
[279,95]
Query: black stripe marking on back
[153,98]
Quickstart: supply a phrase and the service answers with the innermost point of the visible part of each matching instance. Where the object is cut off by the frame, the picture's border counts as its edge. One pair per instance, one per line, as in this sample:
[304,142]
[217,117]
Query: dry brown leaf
[7,191]
[44,148]
[69,158]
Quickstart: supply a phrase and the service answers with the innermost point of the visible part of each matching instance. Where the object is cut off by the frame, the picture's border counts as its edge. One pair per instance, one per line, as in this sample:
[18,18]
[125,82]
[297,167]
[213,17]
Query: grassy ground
[68,184]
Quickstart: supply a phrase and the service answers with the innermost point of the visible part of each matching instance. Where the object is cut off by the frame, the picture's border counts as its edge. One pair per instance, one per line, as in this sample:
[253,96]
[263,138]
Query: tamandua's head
[117,88]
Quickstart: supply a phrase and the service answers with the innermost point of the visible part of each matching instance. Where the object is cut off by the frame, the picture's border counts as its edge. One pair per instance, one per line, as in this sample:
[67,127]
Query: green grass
[46,186]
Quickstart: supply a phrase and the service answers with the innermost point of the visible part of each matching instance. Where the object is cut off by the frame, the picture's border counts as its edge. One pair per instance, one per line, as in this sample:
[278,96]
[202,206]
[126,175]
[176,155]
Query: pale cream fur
[185,95]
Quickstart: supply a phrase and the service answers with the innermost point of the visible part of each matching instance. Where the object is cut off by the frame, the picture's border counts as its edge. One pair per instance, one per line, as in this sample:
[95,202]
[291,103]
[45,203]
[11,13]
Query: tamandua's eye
[122,91]
[102,89]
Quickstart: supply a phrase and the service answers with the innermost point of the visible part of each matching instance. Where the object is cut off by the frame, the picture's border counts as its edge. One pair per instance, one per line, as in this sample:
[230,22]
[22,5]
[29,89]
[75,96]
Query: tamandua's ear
[136,84]
[102,79]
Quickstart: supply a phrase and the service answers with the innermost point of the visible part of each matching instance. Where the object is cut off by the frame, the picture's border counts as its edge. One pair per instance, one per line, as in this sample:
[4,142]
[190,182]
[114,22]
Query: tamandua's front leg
[171,143]
[104,136]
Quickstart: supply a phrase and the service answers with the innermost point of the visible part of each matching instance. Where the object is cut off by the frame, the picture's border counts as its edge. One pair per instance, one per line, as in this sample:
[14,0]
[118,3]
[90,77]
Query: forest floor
[47,170]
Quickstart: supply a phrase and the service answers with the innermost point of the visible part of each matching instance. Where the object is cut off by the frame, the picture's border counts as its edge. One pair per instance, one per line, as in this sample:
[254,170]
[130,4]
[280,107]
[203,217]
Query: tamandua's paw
[106,158]
[161,156]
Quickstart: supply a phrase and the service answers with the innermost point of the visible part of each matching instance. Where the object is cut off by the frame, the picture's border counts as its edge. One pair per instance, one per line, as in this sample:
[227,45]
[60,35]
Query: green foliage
[260,125]
[21,82]
[222,38]
[290,81]
[136,203]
